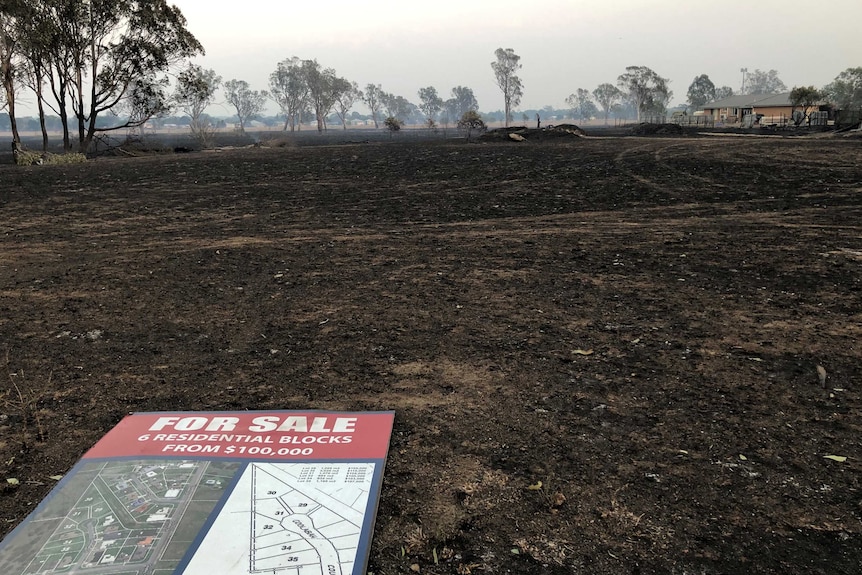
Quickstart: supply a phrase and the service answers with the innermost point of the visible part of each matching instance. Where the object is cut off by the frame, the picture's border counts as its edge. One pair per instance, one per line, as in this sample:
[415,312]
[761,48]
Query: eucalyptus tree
[430,102]
[323,87]
[119,52]
[288,87]
[36,36]
[607,96]
[346,95]
[13,15]
[462,101]
[98,56]
[582,104]
[505,67]
[54,37]
[700,91]
[845,91]
[397,107]
[723,92]
[806,97]
[471,122]
[248,103]
[647,91]
[760,82]
[194,92]
[371,98]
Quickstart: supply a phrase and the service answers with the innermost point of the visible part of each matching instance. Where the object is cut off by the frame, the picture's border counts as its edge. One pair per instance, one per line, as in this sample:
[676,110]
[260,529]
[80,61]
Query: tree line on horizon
[110,62]
[648,94]
[302,90]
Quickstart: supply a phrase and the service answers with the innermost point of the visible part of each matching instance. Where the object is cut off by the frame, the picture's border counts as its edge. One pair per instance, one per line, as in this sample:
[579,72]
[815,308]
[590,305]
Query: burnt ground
[636,323]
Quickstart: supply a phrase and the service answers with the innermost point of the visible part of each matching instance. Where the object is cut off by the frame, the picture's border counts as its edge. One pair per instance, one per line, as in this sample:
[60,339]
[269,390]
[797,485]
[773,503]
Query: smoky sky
[564,44]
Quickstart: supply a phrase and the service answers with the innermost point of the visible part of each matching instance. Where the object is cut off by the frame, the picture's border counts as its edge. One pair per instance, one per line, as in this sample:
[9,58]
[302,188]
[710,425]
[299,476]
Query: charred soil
[602,353]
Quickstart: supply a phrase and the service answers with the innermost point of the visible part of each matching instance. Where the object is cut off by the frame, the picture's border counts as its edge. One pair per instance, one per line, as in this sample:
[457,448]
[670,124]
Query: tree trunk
[86,135]
[8,71]
[79,108]
[42,119]
[9,86]
[64,120]
[90,133]
[10,105]
[82,145]
[38,76]
[59,89]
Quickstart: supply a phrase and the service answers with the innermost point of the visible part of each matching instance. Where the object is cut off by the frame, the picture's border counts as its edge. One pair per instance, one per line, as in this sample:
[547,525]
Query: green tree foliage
[13,15]
[288,87]
[52,47]
[194,92]
[582,105]
[35,35]
[120,51]
[99,56]
[346,95]
[505,68]
[392,124]
[323,89]
[248,103]
[647,91]
[471,122]
[723,92]
[462,101]
[397,106]
[144,100]
[845,91]
[805,97]
[760,82]
[371,98]
[700,91]
[607,96]
[430,103]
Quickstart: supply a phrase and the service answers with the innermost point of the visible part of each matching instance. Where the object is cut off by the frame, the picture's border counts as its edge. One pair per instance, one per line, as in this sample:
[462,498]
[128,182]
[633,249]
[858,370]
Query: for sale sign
[198,493]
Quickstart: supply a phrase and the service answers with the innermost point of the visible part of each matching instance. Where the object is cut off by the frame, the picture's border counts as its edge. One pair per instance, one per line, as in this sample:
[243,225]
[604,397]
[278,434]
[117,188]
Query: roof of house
[750,101]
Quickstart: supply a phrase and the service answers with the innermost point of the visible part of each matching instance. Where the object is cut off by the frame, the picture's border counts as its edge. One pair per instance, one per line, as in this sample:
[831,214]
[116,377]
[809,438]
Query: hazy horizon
[564,45]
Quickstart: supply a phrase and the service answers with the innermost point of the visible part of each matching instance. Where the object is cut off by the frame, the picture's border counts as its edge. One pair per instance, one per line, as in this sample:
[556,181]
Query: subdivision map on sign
[300,519]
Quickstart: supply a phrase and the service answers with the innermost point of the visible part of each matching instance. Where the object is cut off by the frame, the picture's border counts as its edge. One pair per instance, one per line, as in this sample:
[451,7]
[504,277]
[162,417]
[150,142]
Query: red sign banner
[197,493]
[272,435]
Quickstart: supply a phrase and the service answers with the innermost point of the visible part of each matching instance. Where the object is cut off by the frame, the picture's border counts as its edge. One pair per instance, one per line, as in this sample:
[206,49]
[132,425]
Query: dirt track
[637,323]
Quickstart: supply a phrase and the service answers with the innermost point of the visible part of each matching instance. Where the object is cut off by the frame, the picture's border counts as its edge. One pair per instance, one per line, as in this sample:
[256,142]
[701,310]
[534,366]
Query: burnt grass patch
[602,352]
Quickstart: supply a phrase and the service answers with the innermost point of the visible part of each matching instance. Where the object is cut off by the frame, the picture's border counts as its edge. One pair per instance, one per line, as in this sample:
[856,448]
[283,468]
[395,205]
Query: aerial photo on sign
[245,493]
